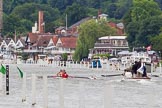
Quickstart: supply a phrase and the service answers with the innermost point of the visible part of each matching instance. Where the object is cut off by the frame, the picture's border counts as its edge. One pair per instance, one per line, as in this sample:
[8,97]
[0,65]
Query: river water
[82,92]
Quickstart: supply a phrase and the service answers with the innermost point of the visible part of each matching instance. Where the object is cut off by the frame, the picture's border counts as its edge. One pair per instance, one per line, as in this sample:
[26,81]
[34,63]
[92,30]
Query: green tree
[132,30]
[64,56]
[144,9]
[139,33]
[157,43]
[149,28]
[23,17]
[75,13]
[142,22]
[11,23]
[89,32]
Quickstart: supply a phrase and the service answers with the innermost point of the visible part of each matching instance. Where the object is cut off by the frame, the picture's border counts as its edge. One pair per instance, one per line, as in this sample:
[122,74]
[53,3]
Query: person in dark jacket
[134,69]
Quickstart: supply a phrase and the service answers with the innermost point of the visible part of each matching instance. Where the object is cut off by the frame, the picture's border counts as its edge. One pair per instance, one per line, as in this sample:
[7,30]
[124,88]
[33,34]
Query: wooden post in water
[108,95]
[33,89]
[24,87]
[61,93]
[81,95]
[7,79]
[45,91]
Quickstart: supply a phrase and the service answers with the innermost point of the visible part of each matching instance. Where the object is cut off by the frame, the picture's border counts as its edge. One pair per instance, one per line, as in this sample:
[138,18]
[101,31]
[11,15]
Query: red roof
[68,42]
[43,41]
[111,24]
[37,39]
[118,30]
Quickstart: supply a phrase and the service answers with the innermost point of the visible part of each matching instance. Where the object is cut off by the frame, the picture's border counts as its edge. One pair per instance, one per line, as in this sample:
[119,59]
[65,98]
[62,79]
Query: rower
[62,74]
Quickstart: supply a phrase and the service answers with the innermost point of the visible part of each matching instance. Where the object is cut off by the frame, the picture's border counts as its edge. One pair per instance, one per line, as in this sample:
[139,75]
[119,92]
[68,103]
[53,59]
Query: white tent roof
[124,53]
[112,37]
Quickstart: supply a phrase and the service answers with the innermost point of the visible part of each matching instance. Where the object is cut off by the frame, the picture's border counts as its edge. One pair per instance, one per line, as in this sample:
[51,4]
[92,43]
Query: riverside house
[109,45]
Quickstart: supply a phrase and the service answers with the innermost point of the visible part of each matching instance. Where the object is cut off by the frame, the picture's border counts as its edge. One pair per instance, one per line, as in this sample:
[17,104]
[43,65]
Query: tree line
[142,19]
[143,26]
[20,15]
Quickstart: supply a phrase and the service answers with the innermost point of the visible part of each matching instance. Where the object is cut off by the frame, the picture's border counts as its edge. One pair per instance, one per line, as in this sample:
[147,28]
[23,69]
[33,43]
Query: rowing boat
[57,77]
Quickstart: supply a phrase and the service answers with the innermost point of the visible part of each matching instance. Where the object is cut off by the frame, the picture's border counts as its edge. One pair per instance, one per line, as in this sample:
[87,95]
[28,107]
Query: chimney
[99,13]
[40,22]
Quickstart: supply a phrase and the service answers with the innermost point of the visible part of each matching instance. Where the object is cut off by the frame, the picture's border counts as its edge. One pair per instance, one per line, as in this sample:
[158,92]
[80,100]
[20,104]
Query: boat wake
[145,82]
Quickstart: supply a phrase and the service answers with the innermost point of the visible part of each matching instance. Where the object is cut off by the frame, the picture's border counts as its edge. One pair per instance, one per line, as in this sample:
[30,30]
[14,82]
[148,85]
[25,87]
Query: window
[124,43]
[119,43]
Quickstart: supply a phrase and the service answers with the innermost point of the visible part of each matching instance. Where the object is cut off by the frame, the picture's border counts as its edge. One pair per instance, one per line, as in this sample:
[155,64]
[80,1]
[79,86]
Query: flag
[3,70]
[21,73]
[148,48]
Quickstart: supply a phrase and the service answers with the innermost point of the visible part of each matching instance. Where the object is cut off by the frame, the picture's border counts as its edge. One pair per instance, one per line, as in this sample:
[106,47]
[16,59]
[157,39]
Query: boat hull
[128,75]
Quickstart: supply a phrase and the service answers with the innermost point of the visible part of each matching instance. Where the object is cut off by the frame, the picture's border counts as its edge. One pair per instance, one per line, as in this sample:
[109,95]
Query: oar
[68,77]
[155,75]
[112,75]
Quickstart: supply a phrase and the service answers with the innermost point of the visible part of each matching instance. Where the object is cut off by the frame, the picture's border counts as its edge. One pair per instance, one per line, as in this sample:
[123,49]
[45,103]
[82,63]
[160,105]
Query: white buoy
[24,87]
[61,93]
[33,89]
[108,95]
[45,91]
